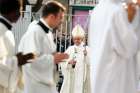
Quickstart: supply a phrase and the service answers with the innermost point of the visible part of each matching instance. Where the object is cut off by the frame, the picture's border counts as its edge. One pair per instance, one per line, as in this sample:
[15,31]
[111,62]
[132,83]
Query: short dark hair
[7,6]
[52,7]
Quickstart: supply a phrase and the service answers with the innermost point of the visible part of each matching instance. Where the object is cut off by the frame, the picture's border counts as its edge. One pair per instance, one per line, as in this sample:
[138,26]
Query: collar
[6,22]
[81,45]
[46,29]
[43,21]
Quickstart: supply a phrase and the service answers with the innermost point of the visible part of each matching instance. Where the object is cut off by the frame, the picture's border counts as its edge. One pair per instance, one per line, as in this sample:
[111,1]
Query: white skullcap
[78,31]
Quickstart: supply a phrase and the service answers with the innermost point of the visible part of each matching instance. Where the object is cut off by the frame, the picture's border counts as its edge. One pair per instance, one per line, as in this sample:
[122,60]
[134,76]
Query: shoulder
[70,48]
[33,25]
[3,29]
[35,29]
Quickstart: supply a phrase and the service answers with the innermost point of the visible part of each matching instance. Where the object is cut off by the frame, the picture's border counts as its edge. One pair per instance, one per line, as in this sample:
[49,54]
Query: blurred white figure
[114,46]
[9,60]
[136,26]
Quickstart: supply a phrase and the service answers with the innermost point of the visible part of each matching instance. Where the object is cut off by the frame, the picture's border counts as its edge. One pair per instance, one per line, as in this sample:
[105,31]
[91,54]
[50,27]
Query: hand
[72,62]
[131,10]
[23,59]
[58,57]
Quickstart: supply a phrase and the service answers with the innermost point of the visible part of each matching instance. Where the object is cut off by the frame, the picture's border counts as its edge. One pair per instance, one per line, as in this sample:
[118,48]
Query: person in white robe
[39,76]
[132,9]
[134,15]
[114,47]
[9,60]
[76,69]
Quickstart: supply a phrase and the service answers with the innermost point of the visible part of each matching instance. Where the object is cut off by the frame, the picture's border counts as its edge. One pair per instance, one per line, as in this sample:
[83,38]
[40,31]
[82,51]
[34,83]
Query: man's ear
[13,16]
[52,16]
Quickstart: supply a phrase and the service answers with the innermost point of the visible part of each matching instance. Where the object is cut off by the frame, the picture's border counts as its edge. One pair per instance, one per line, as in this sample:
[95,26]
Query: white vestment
[75,79]
[39,76]
[136,26]
[8,62]
[114,46]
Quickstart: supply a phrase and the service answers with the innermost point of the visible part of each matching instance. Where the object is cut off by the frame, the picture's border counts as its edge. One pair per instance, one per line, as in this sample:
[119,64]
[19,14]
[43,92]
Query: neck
[7,17]
[6,23]
[48,22]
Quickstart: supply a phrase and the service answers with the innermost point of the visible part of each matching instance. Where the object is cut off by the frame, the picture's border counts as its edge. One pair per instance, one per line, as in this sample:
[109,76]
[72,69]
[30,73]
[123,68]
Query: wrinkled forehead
[60,13]
[78,38]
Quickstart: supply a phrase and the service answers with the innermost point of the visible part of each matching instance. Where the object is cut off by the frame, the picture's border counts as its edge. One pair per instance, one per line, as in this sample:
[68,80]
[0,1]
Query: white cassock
[8,62]
[114,46]
[39,76]
[75,79]
[136,26]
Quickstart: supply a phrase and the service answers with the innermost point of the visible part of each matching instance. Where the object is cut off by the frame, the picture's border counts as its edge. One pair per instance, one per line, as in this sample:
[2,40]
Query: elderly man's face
[77,40]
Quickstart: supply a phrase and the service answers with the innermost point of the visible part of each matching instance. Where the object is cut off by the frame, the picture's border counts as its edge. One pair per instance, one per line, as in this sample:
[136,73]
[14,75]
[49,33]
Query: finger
[19,54]
[66,56]
[28,62]
[29,56]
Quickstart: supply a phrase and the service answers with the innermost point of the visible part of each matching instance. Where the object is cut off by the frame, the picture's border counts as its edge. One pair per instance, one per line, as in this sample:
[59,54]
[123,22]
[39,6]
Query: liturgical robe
[114,47]
[76,80]
[39,76]
[8,62]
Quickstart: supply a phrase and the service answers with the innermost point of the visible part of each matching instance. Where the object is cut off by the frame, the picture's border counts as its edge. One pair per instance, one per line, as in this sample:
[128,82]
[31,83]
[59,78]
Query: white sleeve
[65,65]
[9,73]
[124,39]
[3,50]
[13,79]
[41,69]
[4,75]
[4,70]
